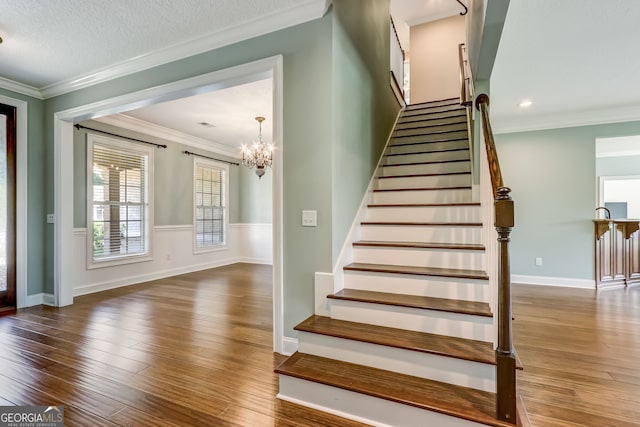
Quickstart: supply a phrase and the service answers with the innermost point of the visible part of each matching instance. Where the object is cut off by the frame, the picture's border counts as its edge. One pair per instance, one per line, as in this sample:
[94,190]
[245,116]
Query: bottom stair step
[462,403]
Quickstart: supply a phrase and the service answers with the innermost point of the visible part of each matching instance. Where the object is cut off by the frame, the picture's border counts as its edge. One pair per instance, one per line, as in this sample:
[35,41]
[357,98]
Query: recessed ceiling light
[206,124]
[525,103]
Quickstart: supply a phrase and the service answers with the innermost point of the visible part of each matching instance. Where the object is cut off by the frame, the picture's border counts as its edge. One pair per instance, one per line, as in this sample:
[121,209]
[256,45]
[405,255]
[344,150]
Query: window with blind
[210,192]
[118,194]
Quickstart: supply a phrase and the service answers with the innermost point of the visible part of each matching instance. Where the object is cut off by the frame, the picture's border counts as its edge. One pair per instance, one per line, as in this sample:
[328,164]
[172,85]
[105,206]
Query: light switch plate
[309,218]
[51,218]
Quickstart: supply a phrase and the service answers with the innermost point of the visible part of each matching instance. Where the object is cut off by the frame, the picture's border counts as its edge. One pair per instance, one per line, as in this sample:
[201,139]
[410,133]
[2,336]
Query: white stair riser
[426,115]
[421,196]
[438,258]
[434,137]
[434,146]
[413,319]
[425,214]
[437,156]
[431,108]
[434,367]
[362,408]
[412,122]
[426,130]
[426,286]
[424,182]
[416,233]
[462,166]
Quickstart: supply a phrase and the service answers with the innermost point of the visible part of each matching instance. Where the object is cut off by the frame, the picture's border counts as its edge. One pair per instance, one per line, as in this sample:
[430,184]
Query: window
[118,214]
[210,193]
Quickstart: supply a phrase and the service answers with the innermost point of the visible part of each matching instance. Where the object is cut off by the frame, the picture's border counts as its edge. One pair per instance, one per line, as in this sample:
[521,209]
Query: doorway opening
[8,137]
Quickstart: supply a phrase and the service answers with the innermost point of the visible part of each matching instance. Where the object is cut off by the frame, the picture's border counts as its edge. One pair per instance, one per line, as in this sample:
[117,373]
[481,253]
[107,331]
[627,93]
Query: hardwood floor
[193,350]
[196,349]
[581,355]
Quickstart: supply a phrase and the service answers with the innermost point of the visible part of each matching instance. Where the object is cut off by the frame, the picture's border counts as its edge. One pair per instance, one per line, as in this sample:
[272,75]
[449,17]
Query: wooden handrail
[504,222]
[465,78]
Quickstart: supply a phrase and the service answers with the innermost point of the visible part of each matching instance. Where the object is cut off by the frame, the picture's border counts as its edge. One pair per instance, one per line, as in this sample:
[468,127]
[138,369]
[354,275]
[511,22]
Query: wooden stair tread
[457,401]
[433,132]
[422,205]
[459,187]
[472,308]
[420,245]
[419,271]
[428,142]
[410,118]
[422,175]
[427,134]
[442,150]
[424,224]
[427,126]
[443,345]
[427,163]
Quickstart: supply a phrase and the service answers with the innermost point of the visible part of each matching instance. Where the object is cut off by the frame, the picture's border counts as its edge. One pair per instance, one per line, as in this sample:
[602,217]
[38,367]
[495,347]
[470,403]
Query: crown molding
[20,88]
[303,12]
[506,124]
[134,124]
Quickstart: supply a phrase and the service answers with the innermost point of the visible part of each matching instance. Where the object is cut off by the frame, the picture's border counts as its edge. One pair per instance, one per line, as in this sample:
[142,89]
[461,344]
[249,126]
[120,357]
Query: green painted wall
[364,106]
[37,228]
[613,166]
[306,50]
[553,177]
[255,197]
[173,178]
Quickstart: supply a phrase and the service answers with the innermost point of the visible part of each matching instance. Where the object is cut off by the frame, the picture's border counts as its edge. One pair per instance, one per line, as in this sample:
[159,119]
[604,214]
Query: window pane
[209,209]
[119,206]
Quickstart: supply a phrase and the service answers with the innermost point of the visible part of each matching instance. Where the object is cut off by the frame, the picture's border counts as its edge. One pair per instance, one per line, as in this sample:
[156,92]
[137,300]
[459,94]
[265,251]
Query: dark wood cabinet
[617,252]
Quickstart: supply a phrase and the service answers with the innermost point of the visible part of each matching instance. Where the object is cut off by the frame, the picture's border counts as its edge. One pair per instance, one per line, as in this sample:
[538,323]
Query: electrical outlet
[309,218]
[51,218]
[538,261]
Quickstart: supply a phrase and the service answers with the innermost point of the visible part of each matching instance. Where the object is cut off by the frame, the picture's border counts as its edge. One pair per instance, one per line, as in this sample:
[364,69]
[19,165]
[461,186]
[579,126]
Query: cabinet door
[633,258]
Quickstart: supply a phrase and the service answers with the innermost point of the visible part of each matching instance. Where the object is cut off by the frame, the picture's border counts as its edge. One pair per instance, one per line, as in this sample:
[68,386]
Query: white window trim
[123,259]
[225,168]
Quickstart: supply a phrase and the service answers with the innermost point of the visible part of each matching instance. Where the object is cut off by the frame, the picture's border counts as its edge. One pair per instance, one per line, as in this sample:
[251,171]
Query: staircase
[410,338]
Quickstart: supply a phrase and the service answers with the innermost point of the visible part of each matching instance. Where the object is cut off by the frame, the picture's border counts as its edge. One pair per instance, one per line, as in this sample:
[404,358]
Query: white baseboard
[289,345]
[132,280]
[253,260]
[566,282]
[40,299]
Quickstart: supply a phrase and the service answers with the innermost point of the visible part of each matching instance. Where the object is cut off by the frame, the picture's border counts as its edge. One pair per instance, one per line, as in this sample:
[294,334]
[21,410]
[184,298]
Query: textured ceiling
[49,41]
[576,60]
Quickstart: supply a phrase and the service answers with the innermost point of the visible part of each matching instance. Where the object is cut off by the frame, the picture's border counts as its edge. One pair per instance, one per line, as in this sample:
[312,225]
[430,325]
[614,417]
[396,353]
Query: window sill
[116,261]
[205,250]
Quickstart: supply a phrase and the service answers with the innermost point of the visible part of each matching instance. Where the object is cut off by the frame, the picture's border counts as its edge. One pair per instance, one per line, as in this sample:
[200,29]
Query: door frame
[63,166]
[22,300]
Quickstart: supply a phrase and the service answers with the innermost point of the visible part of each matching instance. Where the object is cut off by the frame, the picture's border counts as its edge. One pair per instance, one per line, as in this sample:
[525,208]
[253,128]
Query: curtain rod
[189,153]
[79,126]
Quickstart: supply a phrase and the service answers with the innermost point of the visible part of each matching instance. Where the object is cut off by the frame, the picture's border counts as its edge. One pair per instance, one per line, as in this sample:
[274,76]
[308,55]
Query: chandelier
[258,154]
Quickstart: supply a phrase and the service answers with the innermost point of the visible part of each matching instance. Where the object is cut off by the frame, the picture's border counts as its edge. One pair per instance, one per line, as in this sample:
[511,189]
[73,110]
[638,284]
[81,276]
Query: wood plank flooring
[196,349]
[581,355]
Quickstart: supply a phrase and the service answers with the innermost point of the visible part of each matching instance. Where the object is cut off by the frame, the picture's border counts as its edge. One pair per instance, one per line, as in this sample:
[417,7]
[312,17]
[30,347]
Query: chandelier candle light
[258,154]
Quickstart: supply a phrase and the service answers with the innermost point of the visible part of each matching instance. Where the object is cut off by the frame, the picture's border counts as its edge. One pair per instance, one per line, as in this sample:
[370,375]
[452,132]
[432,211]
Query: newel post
[505,358]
